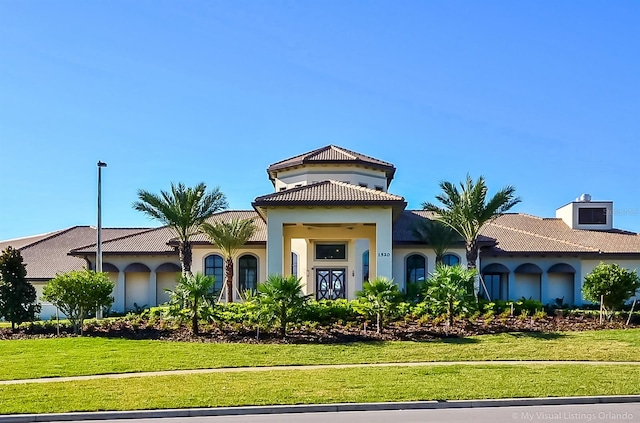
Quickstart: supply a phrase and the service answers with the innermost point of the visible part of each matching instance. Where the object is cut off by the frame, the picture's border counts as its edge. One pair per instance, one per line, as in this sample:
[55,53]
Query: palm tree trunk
[378,321]
[186,257]
[228,276]
[472,258]
[451,300]
[194,317]
[283,324]
[472,254]
[439,258]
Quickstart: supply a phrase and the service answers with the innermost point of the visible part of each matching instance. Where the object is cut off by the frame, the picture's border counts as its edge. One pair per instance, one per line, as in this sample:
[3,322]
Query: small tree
[229,237]
[611,282]
[281,299]
[77,292]
[378,298]
[194,293]
[450,290]
[17,295]
[437,235]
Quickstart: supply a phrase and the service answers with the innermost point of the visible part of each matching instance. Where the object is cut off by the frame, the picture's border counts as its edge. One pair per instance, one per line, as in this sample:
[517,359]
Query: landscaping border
[316,408]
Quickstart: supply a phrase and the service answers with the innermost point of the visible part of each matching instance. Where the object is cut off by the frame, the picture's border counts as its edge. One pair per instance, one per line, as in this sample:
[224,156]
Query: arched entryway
[528,282]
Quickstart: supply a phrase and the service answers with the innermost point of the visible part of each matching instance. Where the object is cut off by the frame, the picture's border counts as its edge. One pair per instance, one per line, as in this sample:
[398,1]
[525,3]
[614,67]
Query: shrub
[613,283]
[78,292]
[378,299]
[195,294]
[281,299]
[448,290]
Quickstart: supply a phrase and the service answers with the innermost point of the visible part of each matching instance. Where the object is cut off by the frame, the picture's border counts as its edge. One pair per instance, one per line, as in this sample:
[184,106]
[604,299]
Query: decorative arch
[137,267]
[529,268]
[451,259]
[168,267]
[108,267]
[415,268]
[247,272]
[561,268]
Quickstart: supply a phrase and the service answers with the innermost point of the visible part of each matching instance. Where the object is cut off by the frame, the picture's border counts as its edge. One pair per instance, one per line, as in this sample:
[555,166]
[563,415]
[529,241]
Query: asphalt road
[609,413]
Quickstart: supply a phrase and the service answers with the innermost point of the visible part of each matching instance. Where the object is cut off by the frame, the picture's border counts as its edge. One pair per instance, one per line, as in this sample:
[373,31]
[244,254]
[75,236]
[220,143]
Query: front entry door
[330,284]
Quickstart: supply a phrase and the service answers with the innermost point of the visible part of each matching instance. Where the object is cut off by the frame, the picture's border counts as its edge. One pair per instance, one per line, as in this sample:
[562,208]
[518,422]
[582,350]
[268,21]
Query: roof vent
[584,198]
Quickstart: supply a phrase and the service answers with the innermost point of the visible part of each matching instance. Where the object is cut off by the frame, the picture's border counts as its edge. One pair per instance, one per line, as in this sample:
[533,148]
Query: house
[332,222]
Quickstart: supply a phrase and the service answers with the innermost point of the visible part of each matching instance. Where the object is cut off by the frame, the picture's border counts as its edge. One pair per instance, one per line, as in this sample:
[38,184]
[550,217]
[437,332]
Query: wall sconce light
[353,272]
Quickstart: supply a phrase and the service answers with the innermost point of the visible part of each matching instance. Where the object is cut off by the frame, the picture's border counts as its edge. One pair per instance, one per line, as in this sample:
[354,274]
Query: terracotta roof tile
[329,154]
[261,228]
[48,255]
[525,233]
[328,192]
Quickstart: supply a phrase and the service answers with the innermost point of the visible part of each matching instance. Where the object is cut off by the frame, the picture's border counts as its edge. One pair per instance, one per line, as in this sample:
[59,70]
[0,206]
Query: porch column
[120,292]
[153,297]
[511,285]
[286,254]
[274,246]
[544,287]
[384,247]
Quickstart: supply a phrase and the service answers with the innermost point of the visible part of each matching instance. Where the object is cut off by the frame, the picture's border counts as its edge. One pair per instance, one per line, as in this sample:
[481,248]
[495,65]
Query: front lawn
[50,357]
[322,386]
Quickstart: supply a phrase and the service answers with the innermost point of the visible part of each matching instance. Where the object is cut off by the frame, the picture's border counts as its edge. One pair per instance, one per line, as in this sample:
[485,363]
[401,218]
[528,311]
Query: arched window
[294,264]
[214,266]
[247,272]
[450,260]
[365,266]
[416,268]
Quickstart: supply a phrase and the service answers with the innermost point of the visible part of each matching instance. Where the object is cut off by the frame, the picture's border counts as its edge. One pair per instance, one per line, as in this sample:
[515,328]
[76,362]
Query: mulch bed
[335,333]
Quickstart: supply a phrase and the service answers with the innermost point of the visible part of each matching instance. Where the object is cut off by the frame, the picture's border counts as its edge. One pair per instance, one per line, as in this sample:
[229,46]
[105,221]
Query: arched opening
[136,286]
[528,282]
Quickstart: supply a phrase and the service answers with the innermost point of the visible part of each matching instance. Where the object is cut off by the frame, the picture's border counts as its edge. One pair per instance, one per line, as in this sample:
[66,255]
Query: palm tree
[448,289]
[467,210]
[281,299]
[378,297]
[183,209]
[438,235]
[229,236]
[193,293]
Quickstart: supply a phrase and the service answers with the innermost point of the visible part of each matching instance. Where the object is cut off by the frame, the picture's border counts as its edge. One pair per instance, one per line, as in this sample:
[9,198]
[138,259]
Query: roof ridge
[119,238]
[53,235]
[366,189]
[540,236]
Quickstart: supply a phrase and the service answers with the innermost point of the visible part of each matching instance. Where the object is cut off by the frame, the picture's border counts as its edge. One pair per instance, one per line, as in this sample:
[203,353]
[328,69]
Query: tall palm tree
[183,209]
[438,235]
[467,210]
[229,236]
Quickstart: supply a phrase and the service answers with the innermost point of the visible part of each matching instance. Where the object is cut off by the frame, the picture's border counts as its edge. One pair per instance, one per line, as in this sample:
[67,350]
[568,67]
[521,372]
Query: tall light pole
[99,243]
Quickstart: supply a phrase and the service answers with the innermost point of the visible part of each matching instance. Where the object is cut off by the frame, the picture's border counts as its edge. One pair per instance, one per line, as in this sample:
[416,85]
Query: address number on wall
[384,254]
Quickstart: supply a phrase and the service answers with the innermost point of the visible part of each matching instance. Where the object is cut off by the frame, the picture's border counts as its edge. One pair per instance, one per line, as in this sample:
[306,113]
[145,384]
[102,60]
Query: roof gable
[331,154]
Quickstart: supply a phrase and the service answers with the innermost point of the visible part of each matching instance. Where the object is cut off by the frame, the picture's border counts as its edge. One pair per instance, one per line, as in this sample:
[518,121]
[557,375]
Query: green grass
[35,358]
[322,386]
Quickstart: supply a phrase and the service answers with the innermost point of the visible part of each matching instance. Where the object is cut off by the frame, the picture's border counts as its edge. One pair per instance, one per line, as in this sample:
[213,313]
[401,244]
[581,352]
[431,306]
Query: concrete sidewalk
[315,367]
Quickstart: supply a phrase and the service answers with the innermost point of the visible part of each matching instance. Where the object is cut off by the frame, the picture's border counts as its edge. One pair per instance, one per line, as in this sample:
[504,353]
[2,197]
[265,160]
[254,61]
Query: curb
[316,408]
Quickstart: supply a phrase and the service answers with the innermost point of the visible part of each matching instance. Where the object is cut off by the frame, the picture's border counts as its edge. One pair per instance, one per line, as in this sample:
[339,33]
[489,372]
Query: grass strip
[322,386]
[35,358]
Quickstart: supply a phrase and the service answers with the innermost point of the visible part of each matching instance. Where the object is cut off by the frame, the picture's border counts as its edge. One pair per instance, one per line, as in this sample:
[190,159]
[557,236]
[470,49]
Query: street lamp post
[99,242]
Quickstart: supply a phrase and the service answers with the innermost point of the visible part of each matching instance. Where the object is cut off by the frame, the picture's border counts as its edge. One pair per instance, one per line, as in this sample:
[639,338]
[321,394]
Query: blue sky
[543,95]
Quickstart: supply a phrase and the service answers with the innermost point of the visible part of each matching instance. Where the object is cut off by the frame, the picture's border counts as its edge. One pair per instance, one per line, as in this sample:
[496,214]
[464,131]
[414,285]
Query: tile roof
[522,233]
[328,192]
[261,227]
[23,242]
[403,227]
[47,255]
[331,154]
[163,240]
